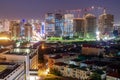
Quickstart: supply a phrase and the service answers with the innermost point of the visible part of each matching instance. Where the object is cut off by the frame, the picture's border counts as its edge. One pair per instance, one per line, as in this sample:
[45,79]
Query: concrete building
[92,50]
[68,25]
[12,22]
[28,31]
[59,24]
[20,30]
[4,25]
[79,26]
[90,26]
[12,71]
[28,56]
[106,24]
[50,24]
[1,26]
[113,76]
[59,58]
[72,71]
[15,31]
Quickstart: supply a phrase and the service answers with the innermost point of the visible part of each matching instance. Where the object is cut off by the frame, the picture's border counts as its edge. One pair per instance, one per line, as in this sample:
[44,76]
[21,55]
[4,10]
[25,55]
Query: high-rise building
[4,25]
[42,29]
[15,31]
[50,24]
[79,25]
[35,24]
[19,31]
[1,26]
[26,55]
[59,24]
[106,24]
[90,25]
[11,70]
[68,25]
[28,31]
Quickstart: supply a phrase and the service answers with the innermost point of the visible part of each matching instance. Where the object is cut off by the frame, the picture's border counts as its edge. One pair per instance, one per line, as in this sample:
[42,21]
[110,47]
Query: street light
[98,35]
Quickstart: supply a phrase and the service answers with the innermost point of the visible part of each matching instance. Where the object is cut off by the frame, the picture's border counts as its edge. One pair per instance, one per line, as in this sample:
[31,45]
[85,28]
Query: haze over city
[14,9]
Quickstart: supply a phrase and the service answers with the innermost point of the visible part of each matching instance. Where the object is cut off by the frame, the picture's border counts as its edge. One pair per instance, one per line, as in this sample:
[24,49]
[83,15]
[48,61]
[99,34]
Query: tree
[95,76]
[55,72]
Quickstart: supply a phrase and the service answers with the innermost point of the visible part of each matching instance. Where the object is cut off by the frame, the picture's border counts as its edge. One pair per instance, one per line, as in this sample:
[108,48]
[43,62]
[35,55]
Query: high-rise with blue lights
[68,25]
[59,24]
[50,24]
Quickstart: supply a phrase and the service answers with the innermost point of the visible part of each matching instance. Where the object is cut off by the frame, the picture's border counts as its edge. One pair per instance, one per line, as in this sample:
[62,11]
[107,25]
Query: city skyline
[36,9]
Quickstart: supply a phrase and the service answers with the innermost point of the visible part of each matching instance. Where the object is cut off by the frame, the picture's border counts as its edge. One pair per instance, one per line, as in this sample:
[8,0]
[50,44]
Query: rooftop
[101,63]
[88,62]
[60,64]
[114,74]
[76,60]
[73,66]
[68,54]
[3,50]
[82,68]
[99,71]
[92,46]
[6,68]
[56,57]
[21,51]
[114,66]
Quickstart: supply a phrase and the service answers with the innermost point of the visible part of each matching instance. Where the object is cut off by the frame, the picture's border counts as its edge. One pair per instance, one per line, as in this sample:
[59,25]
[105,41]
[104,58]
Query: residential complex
[25,55]
[12,71]
[106,22]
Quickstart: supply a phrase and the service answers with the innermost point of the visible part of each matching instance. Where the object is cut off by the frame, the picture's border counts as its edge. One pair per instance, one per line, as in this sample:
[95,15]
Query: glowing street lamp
[43,46]
[98,35]
[47,71]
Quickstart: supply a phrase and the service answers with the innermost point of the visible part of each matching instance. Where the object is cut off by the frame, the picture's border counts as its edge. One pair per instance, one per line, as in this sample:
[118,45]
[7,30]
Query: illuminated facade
[71,71]
[106,24]
[42,29]
[90,26]
[12,71]
[20,30]
[50,24]
[15,31]
[35,25]
[79,25]
[4,25]
[54,24]
[28,31]
[68,24]
[59,24]
[1,26]
[26,55]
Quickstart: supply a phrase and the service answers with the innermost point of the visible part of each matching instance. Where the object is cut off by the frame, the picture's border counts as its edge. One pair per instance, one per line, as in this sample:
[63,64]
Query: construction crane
[85,10]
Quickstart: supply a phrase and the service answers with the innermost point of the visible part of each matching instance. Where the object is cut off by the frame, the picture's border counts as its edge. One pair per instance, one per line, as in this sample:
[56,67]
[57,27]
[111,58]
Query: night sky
[18,9]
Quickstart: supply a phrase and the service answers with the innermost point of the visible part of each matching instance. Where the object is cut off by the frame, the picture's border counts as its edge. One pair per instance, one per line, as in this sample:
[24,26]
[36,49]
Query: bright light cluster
[4,38]
[98,35]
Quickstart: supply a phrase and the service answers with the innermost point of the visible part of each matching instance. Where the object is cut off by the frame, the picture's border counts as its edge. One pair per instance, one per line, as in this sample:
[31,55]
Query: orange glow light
[4,38]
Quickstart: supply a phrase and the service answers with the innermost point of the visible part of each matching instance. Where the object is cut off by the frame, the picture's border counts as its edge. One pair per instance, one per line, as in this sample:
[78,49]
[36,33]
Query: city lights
[59,40]
[4,38]
[98,35]
[34,78]
[43,46]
